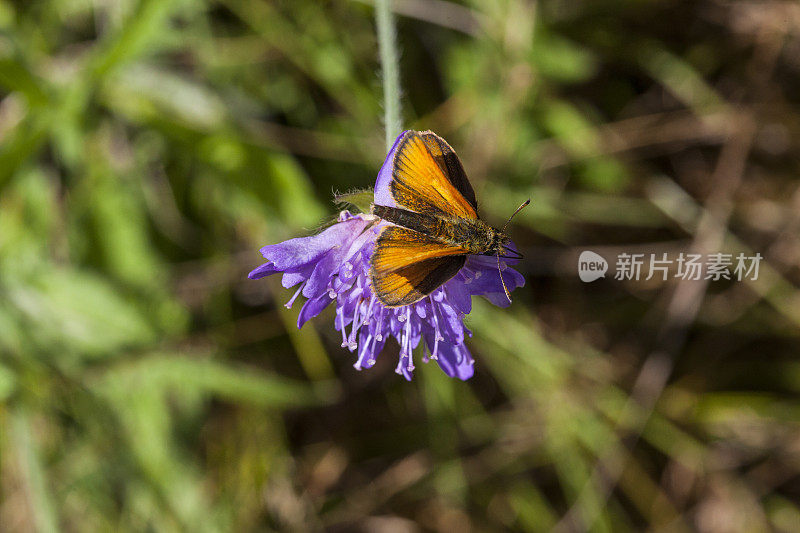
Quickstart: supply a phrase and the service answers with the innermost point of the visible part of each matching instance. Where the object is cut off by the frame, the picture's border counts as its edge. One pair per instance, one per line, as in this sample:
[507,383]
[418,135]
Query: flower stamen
[409,350]
[379,325]
[288,305]
[351,341]
[340,318]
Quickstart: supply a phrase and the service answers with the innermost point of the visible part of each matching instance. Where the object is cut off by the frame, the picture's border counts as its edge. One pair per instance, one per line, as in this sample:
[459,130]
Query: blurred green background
[149,148]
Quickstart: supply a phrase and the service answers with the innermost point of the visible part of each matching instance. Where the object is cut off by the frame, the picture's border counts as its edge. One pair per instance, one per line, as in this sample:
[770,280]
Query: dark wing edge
[420,184]
[416,281]
[448,161]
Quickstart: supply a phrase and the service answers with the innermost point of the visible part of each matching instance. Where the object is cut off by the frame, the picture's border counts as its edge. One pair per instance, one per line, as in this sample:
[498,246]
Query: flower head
[333,266]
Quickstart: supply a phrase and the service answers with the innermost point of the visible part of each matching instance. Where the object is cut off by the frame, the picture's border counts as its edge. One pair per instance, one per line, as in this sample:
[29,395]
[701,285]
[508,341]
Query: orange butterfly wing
[399,247]
[428,178]
[406,265]
[450,164]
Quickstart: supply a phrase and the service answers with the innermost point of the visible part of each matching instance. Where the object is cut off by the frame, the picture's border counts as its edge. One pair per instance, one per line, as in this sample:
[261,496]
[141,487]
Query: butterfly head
[499,245]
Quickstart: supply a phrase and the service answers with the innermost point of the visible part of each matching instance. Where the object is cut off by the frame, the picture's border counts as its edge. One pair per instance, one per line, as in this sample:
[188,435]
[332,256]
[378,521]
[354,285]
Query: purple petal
[516,279]
[312,308]
[489,285]
[383,194]
[498,298]
[455,360]
[487,279]
[318,281]
[297,253]
[333,261]
[459,295]
[290,279]
[451,324]
[264,270]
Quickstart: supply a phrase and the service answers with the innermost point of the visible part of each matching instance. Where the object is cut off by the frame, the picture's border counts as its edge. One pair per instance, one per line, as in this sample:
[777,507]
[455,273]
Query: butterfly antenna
[524,204]
[500,271]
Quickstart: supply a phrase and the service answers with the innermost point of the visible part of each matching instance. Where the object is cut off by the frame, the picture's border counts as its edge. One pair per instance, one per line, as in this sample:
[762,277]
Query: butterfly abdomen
[423,223]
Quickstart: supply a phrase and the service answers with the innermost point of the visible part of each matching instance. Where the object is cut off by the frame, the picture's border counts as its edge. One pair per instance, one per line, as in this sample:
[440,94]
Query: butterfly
[435,223]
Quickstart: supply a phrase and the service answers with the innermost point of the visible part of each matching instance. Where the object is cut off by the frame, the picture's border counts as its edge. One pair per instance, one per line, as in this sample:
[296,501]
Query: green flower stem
[390,67]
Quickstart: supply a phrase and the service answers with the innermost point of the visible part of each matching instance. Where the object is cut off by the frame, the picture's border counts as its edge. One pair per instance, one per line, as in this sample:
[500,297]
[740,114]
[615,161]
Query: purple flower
[333,266]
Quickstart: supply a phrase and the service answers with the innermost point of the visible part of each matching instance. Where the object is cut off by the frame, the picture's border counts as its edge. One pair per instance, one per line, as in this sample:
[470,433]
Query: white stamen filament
[340,318]
[436,334]
[408,340]
[288,305]
[379,326]
[351,342]
[368,315]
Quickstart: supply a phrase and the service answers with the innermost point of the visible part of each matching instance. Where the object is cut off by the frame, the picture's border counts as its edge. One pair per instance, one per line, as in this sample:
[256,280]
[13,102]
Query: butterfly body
[435,224]
[473,235]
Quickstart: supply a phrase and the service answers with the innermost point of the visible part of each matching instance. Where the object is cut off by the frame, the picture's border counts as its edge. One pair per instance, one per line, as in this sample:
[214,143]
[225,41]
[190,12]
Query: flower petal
[459,295]
[297,253]
[290,279]
[488,280]
[312,308]
[455,360]
[451,324]
[383,194]
[264,270]
[330,262]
